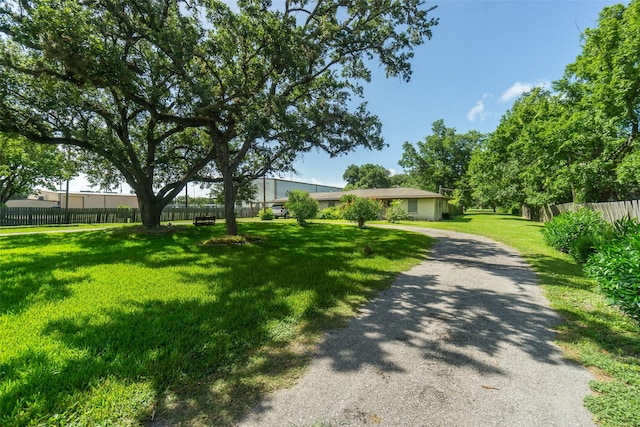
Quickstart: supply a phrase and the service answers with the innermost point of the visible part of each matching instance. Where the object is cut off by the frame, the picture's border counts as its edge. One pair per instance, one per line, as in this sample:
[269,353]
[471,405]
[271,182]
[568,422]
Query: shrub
[582,249]
[265,214]
[616,268]
[625,227]
[576,233]
[330,213]
[302,206]
[395,211]
[359,209]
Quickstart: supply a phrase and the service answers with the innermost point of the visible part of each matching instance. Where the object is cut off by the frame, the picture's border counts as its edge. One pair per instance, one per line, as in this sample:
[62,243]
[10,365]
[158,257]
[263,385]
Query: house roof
[376,193]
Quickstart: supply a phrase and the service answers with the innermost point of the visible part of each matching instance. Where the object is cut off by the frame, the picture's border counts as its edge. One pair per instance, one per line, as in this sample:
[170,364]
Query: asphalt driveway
[463,339]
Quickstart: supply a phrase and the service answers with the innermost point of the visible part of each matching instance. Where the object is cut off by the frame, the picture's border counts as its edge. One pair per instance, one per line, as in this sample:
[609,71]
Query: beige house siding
[427,209]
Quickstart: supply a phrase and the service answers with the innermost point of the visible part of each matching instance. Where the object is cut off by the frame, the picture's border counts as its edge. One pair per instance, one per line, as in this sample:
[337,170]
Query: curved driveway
[463,339]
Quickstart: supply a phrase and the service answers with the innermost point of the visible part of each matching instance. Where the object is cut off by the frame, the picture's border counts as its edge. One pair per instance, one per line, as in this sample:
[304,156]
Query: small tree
[360,209]
[25,165]
[458,200]
[302,206]
[396,211]
[246,192]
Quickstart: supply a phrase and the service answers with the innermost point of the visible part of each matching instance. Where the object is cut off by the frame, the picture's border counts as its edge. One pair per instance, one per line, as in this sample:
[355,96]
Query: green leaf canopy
[169,91]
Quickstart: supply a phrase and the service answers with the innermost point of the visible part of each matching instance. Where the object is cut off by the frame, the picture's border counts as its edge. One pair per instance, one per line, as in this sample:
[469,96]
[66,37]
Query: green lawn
[114,327]
[594,334]
[54,228]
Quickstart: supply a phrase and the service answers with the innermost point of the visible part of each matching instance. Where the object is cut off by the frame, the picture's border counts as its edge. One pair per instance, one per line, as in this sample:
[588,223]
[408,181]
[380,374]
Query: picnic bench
[204,220]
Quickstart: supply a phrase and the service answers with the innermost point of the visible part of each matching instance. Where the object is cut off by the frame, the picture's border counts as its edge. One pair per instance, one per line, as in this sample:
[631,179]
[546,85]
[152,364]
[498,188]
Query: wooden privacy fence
[52,216]
[611,211]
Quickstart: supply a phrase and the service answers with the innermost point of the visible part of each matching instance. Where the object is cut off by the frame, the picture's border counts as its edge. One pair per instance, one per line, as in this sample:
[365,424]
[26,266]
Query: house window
[332,203]
[413,205]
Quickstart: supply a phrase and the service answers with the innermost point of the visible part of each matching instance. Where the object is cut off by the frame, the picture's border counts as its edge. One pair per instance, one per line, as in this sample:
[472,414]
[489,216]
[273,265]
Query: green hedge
[576,233]
[616,267]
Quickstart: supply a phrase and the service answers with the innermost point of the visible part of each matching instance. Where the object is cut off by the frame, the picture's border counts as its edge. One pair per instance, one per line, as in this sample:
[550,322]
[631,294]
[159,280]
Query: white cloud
[393,172]
[518,88]
[479,110]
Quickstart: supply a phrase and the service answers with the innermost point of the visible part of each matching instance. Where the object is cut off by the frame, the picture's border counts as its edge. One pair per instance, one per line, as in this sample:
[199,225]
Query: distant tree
[302,206]
[458,199]
[360,209]
[246,192]
[579,143]
[441,160]
[486,178]
[193,201]
[515,165]
[399,180]
[25,165]
[367,176]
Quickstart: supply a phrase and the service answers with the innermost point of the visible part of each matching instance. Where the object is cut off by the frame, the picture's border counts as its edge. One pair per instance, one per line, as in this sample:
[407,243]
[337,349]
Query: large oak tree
[169,91]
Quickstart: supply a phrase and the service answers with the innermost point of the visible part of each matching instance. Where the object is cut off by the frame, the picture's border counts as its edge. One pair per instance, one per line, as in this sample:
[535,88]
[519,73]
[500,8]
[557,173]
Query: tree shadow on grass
[27,274]
[556,271]
[611,329]
[193,353]
[173,345]
[607,326]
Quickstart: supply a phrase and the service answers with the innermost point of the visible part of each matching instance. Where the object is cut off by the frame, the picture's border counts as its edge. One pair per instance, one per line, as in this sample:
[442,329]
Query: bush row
[356,209]
[610,254]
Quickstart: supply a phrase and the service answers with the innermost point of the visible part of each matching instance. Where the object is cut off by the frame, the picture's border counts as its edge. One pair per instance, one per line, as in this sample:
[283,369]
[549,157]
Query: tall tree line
[578,142]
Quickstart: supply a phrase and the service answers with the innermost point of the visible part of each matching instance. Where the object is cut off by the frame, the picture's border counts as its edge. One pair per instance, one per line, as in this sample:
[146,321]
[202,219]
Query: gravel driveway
[463,339]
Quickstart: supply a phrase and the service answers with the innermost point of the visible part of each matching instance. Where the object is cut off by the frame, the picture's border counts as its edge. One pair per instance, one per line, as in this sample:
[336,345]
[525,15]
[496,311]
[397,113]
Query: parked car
[279,211]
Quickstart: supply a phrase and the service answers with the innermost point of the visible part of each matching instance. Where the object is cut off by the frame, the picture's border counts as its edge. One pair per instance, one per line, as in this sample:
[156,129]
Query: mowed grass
[593,333]
[59,228]
[116,327]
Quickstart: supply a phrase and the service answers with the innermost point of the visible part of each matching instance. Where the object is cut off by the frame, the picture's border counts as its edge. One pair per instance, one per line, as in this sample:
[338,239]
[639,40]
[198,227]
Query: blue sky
[483,54]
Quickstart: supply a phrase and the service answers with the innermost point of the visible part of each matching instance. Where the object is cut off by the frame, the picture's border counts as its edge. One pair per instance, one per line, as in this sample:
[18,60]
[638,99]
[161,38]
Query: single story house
[419,204]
